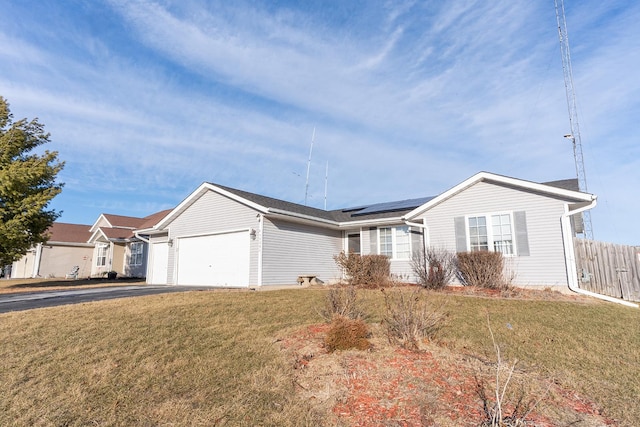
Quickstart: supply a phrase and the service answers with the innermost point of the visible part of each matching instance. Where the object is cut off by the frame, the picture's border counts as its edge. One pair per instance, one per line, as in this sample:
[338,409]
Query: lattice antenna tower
[574,136]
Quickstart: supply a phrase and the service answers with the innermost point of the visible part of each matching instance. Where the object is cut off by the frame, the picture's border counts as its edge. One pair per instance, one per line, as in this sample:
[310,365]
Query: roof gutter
[570,257]
[425,233]
[303,217]
[135,233]
[370,222]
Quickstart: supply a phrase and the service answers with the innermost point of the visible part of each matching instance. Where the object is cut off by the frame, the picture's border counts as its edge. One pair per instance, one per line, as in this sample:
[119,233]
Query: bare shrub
[345,334]
[483,269]
[367,271]
[433,267]
[497,408]
[410,318]
[342,301]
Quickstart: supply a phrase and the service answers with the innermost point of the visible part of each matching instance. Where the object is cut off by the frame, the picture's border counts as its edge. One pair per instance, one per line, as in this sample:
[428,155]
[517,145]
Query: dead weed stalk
[495,408]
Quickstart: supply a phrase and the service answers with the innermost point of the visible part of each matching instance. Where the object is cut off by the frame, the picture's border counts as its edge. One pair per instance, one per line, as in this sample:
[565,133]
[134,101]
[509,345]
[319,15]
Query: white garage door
[217,260]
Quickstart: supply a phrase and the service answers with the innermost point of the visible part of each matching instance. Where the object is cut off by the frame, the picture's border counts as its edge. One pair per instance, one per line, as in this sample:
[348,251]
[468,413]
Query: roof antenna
[306,188]
[326,180]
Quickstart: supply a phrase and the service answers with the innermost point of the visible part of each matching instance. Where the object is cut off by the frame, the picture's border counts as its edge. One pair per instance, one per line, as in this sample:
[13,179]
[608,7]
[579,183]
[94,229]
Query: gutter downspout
[260,239]
[570,257]
[36,261]
[425,233]
[135,233]
[425,238]
[146,258]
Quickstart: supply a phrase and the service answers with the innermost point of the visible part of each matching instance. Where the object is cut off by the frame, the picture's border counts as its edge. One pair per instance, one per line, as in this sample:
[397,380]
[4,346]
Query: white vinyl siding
[544,263]
[288,249]
[214,213]
[291,249]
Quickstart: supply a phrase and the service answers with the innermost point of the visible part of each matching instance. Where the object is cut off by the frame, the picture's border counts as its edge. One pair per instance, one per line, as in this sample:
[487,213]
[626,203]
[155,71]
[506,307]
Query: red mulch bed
[391,386]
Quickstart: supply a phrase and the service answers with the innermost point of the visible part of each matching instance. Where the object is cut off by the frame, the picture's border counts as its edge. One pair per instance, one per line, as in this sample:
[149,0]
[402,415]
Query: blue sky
[145,100]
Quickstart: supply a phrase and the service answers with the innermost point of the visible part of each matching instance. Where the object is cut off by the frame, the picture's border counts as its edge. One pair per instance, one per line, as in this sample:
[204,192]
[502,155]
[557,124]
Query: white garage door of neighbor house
[217,260]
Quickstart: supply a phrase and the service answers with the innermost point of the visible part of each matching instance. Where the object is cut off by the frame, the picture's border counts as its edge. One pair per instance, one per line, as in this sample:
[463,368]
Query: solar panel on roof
[393,206]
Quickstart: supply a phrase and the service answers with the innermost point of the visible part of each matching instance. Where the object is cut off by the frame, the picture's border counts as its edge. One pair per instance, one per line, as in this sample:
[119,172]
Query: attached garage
[214,260]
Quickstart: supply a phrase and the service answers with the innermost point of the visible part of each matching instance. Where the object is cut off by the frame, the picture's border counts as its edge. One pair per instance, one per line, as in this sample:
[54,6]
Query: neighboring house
[221,236]
[66,248]
[116,247]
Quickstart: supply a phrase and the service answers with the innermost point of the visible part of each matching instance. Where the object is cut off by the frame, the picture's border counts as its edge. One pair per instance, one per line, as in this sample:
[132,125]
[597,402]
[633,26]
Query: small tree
[27,185]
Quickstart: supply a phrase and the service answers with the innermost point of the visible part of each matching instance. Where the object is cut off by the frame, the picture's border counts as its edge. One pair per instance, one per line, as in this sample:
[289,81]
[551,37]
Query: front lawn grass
[210,358]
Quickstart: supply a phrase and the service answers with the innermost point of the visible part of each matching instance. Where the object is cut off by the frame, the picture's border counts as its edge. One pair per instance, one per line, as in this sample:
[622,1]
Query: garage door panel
[216,260]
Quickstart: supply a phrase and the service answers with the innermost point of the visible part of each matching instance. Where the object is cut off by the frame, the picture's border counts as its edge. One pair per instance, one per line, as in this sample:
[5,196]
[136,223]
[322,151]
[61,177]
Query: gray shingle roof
[359,213]
[565,184]
[372,211]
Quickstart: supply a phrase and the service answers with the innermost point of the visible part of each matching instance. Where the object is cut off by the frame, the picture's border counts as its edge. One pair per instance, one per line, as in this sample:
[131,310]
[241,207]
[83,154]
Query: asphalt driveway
[31,300]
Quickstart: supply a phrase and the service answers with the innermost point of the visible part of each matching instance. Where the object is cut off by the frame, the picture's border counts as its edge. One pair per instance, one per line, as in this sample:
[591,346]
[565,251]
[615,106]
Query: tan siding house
[116,246]
[66,248]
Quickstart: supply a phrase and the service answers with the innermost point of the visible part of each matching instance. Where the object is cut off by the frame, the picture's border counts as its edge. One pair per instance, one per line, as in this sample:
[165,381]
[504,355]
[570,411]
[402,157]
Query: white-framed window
[136,251]
[491,232]
[101,257]
[353,243]
[395,242]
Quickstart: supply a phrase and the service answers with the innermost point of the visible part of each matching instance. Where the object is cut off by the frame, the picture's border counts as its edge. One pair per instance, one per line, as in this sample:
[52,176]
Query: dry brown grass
[202,358]
[212,358]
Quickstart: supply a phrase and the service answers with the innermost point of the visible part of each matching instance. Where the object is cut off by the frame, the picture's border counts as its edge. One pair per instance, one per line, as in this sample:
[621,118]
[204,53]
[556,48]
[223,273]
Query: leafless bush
[367,271]
[345,334]
[433,267]
[495,402]
[342,301]
[410,318]
[481,268]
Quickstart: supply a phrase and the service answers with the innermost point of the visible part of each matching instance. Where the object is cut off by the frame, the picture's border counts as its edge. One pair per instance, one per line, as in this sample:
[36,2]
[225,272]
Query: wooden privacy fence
[608,268]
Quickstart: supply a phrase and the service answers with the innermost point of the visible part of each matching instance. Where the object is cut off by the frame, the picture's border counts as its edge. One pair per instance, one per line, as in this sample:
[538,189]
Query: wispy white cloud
[408,98]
